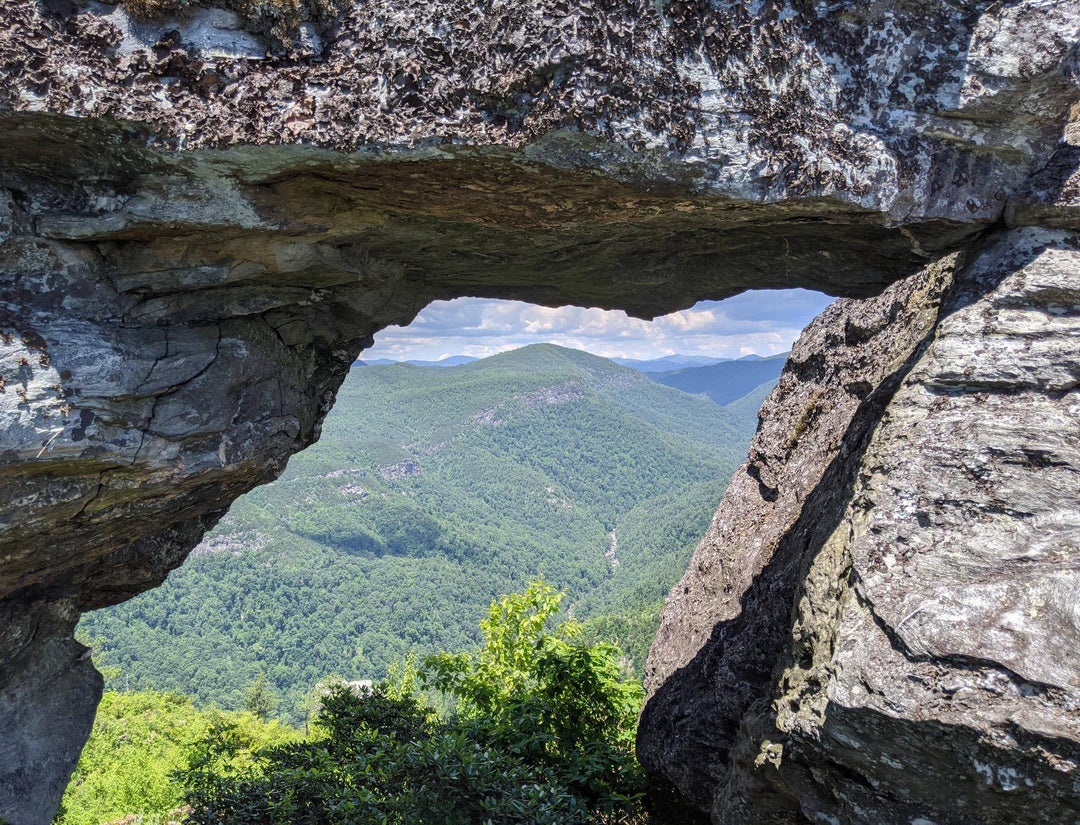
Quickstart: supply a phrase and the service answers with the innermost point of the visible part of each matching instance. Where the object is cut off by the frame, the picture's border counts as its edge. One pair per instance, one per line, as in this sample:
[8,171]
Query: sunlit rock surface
[912,492]
[950,585]
[202,225]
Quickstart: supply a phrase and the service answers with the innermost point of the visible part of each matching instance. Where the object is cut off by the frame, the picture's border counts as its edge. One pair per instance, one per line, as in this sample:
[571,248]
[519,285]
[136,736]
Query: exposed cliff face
[912,493]
[198,238]
[729,621]
[949,587]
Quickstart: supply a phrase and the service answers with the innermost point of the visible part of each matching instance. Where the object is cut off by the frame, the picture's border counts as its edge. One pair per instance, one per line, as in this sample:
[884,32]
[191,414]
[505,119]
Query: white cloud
[765,323]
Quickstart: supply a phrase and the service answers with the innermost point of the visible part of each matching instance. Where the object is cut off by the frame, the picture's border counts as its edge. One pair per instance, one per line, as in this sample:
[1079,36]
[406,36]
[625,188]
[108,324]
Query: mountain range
[727,381]
[666,363]
[448,361]
[431,492]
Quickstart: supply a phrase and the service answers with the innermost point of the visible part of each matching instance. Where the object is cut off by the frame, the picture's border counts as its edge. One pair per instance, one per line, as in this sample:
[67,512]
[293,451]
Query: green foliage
[632,630]
[259,699]
[555,702]
[542,735]
[486,681]
[431,492]
[746,409]
[138,740]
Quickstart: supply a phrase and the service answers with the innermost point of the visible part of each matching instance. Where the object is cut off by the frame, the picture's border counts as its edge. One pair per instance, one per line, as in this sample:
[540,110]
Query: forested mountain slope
[431,492]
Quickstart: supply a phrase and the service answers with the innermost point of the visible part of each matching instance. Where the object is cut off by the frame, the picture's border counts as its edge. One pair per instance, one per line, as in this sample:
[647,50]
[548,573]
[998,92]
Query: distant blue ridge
[726,381]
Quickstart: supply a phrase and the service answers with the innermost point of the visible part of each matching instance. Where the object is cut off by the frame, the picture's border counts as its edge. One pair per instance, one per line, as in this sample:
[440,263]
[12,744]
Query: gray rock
[960,601]
[50,691]
[929,547]
[916,111]
[728,622]
[208,32]
[308,42]
[195,245]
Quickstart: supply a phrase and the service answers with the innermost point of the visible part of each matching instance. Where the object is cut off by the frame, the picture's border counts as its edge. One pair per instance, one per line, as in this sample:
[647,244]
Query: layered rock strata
[200,229]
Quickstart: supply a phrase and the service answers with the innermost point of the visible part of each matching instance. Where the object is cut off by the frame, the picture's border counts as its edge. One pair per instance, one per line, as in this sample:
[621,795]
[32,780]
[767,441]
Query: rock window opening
[484,445]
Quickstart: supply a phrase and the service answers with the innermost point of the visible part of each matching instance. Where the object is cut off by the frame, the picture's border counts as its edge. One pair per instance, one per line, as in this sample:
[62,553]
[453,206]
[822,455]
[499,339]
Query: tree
[259,698]
[139,739]
[542,733]
[563,706]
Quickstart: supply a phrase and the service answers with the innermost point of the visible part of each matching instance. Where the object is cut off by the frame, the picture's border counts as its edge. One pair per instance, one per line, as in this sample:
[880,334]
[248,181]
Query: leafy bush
[138,740]
[555,704]
[541,732]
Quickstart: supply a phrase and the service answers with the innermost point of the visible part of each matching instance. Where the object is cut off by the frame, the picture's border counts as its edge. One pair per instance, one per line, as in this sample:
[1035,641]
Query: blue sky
[761,322]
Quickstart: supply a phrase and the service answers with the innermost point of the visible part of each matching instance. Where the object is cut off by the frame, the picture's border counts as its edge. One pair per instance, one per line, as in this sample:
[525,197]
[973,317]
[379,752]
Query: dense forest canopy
[535,726]
[431,492]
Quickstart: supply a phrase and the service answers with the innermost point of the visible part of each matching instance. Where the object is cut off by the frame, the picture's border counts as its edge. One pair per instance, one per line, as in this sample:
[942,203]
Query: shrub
[139,739]
[541,732]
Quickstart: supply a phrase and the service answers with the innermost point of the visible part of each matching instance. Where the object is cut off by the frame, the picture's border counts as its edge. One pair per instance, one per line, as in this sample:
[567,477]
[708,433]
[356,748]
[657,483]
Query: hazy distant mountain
[430,492]
[668,362]
[448,361]
[724,382]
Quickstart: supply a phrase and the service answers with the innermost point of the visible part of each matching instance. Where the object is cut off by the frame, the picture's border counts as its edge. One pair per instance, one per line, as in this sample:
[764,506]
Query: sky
[758,322]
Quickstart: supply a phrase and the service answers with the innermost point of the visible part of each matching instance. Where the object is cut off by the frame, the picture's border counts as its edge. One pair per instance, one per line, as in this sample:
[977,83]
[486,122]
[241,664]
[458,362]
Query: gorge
[205,217]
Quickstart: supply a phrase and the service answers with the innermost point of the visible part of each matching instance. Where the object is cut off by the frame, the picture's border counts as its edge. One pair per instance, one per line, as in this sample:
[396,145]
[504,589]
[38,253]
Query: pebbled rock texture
[914,110]
[202,225]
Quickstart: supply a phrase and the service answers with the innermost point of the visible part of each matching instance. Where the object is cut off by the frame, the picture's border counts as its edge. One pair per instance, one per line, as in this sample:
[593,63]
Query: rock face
[198,236]
[729,621]
[949,587]
[911,492]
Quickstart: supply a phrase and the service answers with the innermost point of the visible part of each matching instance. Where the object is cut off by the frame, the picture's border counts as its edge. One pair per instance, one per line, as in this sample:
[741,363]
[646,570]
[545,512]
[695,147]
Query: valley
[432,491]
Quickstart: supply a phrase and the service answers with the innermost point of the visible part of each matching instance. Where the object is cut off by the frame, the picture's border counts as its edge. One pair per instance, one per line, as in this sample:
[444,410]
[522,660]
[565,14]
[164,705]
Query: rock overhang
[197,241]
[893,109]
[481,221]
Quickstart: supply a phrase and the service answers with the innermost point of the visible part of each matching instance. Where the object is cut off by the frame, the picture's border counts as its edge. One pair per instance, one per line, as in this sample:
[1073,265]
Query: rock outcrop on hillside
[201,228]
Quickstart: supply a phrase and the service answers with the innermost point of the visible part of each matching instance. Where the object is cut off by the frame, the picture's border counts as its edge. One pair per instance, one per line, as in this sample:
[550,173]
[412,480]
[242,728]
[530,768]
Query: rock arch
[199,236]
